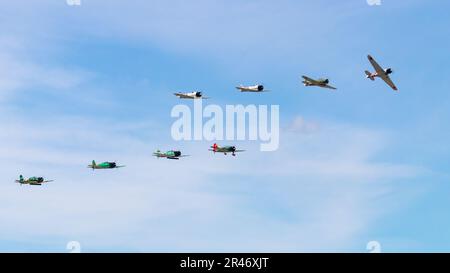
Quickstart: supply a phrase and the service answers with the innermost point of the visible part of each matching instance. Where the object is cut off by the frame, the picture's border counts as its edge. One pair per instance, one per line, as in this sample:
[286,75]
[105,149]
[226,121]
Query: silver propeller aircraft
[191,95]
[381,73]
[320,83]
[172,154]
[252,88]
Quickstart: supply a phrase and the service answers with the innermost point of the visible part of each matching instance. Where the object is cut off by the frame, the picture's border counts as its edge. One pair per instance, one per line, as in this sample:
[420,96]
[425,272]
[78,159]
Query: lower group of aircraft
[176,155]
[172,154]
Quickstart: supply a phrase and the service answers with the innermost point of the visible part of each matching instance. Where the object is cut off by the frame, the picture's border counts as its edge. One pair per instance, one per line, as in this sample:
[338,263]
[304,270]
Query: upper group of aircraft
[307,81]
[176,155]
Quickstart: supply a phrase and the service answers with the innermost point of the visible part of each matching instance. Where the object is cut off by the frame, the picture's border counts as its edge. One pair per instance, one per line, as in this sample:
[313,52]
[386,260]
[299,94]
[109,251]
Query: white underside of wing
[376,66]
[388,80]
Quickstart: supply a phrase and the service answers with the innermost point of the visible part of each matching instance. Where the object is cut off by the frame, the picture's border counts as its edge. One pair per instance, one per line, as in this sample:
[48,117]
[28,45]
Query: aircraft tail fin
[369,75]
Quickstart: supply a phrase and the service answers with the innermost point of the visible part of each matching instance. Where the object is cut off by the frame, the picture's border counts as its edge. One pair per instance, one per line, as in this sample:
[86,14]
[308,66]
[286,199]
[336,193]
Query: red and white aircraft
[226,149]
[381,73]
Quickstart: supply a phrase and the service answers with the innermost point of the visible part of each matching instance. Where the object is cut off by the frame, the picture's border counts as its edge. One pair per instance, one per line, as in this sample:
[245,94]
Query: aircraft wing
[120,166]
[329,87]
[310,80]
[182,96]
[381,73]
[375,65]
[388,80]
[242,88]
[177,157]
[238,151]
[46,181]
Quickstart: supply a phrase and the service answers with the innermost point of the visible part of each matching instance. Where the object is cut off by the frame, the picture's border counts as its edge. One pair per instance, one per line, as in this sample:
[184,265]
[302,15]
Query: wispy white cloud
[283,201]
[19,72]
[299,125]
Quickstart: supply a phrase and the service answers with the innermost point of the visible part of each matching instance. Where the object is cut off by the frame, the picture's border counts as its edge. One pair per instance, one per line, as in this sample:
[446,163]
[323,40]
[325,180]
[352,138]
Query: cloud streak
[299,203]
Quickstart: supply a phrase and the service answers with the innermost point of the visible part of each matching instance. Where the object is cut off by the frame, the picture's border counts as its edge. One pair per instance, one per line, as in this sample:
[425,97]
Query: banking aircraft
[381,73]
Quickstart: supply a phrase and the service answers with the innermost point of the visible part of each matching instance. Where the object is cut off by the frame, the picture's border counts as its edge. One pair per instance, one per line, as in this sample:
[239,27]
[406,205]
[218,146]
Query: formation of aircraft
[104,165]
[226,149]
[324,83]
[172,154]
[33,181]
[320,82]
[191,95]
[169,154]
[380,73]
[252,88]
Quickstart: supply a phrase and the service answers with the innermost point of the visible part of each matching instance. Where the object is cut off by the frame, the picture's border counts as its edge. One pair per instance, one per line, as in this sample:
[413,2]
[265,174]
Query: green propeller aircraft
[34,181]
[226,149]
[104,165]
[169,154]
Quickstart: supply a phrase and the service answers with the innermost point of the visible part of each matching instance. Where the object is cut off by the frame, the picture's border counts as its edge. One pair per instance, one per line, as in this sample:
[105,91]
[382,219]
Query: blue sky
[95,82]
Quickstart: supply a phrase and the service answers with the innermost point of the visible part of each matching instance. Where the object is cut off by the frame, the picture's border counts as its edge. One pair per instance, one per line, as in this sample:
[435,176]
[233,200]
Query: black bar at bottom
[222,262]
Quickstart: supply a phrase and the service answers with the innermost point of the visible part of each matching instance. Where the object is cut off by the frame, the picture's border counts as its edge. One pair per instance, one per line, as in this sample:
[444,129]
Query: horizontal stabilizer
[369,75]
